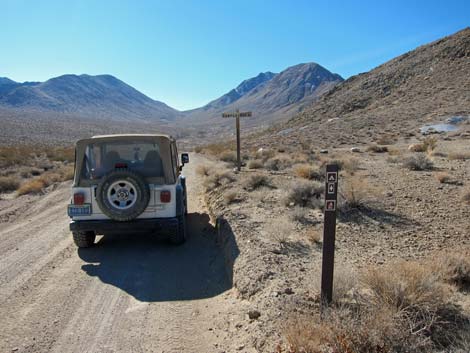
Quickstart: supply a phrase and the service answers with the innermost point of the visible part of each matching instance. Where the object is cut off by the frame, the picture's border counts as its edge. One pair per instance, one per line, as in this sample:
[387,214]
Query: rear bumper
[138,225]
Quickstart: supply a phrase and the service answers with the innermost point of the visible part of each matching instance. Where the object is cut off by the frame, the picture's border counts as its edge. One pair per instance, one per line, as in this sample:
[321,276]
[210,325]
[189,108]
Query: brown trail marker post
[329,234]
[237,114]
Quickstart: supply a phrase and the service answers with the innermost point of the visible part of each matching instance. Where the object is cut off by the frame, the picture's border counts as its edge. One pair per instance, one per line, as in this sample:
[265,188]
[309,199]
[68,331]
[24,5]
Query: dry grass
[419,162]
[305,194]
[313,235]
[255,164]
[280,230]
[203,170]
[9,183]
[34,186]
[217,179]
[453,268]
[377,149]
[401,307]
[443,177]
[307,171]
[429,144]
[299,214]
[386,139]
[230,197]
[256,181]
[279,162]
[228,157]
[354,193]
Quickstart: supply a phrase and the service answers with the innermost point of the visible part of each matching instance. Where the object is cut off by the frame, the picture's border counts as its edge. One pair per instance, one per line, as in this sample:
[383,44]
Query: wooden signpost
[237,115]
[329,234]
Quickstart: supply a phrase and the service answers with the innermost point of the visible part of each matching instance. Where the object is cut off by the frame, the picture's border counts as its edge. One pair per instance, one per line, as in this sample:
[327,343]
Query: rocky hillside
[422,86]
[271,97]
[97,97]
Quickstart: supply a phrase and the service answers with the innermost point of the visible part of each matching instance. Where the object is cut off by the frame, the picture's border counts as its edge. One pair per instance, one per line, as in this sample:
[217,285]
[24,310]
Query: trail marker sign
[329,234]
[237,115]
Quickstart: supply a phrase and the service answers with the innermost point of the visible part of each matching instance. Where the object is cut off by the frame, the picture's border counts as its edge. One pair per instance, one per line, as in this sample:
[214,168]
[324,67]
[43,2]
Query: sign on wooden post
[237,115]
[329,234]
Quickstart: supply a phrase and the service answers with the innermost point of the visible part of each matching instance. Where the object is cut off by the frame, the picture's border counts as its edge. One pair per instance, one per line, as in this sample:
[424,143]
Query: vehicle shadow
[151,270]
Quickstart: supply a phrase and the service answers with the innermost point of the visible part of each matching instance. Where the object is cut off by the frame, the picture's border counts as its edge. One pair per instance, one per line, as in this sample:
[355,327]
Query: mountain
[98,97]
[425,85]
[241,90]
[270,96]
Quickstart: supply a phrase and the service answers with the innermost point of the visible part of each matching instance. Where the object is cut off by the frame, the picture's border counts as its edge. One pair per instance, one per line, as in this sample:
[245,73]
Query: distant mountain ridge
[102,96]
[270,96]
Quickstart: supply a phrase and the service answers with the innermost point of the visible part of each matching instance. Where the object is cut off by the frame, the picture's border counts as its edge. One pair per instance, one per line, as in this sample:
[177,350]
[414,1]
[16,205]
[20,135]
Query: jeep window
[141,157]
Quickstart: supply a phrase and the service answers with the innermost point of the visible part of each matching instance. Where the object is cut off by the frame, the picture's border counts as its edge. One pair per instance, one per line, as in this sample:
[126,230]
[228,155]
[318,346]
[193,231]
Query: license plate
[79,210]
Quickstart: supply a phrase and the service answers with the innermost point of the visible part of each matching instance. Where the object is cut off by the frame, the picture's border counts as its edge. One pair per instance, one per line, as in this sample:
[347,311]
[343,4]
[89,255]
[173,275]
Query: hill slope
[425,85]
[102,96]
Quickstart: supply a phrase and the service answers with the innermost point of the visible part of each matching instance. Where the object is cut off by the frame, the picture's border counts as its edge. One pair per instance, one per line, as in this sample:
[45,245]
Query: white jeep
[128,183]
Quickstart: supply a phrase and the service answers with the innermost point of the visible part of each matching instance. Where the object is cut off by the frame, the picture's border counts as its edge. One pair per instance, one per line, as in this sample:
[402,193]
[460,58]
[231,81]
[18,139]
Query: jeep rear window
[142,158]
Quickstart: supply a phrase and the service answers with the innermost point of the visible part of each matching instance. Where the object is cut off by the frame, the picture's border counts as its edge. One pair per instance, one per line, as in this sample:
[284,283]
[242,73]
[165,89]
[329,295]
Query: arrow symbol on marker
[331,188]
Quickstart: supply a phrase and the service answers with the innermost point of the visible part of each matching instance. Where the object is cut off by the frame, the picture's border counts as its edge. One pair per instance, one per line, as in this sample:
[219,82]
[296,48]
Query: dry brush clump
[37,185]
[355,192]
[217,179]
[203,170]
[443,177]
[305,194]
[400,307]
[427,145]
[308,171]
[377,149]
[278,162]
[9,183]
[418,162]
[256,181]
[255,164]
[230,197]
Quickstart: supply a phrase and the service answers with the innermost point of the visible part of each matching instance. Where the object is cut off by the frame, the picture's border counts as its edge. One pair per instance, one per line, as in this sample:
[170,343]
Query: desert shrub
[256,181]
[427,145]
[443,177]
[305,194]
[264,154]
[307,171]
[462,156]
[255,164]
[34,186]
[299,214]
[60,154]
[349,165]
[377,149]
[453,268]
[279,162]
[354,193]
[280,230]
[393,159]
[203,170]
[228,157]
[8,183]
[218,148]
[313,235]
[401,307]
[418,162]
[386,140]
[230,197]
[218,179]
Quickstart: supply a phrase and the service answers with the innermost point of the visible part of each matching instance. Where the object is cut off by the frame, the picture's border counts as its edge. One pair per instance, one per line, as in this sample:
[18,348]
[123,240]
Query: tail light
[79,198]
[165,196]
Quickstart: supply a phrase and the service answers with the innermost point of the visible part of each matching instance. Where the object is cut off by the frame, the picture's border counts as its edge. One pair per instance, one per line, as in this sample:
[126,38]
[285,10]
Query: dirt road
[127,294]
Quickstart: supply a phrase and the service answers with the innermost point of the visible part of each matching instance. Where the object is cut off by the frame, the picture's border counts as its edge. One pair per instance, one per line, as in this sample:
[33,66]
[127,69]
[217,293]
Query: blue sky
[186,53]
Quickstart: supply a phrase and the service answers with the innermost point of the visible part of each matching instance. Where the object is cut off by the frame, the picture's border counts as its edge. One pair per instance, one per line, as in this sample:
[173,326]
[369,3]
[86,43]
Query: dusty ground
[124,295]
[407,215]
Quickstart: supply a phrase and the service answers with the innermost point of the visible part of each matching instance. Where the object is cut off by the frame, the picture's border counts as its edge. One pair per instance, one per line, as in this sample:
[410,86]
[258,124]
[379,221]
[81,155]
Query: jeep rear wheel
[84,239]
[180,235]
[123,195]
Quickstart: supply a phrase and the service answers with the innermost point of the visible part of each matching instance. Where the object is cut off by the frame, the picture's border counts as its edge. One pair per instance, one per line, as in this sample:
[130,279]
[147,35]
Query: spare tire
[123,195]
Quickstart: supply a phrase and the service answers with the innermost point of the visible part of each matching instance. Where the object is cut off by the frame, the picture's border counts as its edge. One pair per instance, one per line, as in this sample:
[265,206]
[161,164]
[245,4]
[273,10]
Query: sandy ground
[127,294]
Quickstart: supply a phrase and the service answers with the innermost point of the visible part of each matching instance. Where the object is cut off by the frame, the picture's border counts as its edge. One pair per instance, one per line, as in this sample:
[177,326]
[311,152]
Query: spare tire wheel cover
[123,195]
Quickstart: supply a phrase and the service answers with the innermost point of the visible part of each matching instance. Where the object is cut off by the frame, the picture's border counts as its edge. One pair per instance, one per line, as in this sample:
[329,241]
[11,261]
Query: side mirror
[184,158]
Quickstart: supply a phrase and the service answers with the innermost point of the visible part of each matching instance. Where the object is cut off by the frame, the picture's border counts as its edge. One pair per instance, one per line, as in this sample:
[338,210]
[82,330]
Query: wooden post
[239,160]
[237,115]
[329,234]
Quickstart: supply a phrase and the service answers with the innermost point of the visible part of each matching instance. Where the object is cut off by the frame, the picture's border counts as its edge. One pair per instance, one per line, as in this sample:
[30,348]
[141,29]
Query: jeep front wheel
[84,239]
